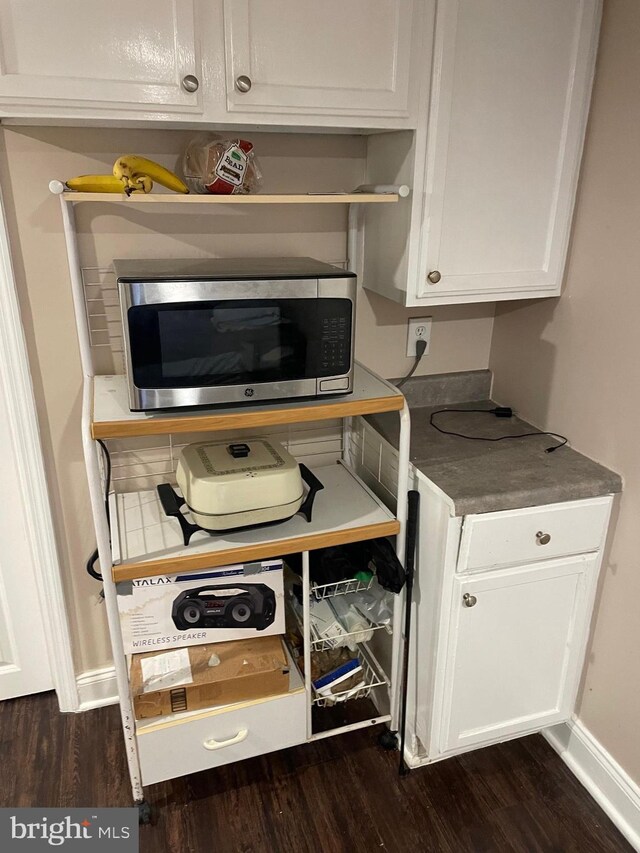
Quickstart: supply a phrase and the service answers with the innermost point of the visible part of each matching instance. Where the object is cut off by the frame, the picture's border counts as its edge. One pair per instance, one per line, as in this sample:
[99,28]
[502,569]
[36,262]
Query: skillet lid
[226,477]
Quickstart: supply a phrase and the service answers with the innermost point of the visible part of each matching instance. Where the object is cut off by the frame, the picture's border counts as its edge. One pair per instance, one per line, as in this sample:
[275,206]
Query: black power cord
[93,559]
[498,412]
[420,348]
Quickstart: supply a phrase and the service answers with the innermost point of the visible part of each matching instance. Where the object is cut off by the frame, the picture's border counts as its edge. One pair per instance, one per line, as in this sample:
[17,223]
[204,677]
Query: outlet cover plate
[419,328]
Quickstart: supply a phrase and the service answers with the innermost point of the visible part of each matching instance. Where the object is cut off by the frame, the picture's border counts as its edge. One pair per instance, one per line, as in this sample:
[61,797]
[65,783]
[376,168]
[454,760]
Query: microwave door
[198,353]
[205,353]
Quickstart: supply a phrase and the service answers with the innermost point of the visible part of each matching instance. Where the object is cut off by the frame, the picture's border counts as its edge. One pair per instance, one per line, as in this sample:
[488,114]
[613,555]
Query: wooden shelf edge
[284,198]
[248,553]
[243,420]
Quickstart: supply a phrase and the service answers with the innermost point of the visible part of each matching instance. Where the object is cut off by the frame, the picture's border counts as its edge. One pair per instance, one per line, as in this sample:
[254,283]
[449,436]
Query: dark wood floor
[332,796]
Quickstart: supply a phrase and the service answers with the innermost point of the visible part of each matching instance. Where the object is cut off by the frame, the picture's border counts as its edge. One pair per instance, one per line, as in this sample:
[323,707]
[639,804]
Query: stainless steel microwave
[206,332]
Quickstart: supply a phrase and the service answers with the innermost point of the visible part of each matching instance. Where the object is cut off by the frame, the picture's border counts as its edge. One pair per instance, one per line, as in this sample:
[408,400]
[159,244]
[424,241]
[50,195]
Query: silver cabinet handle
[469,600]
[543,538]
[434,276]
[190,83]
[243,84]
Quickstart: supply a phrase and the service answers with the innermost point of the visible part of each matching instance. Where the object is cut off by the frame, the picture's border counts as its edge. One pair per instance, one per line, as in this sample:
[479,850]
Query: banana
[100,184]
[131,170]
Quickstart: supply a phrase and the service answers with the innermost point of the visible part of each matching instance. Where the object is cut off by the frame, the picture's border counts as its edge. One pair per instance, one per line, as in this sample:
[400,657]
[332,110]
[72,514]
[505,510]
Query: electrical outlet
[419,329]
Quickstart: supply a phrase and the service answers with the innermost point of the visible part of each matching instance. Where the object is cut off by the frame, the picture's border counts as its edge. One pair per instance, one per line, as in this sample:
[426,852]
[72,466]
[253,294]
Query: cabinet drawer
[536,533]
[176,748]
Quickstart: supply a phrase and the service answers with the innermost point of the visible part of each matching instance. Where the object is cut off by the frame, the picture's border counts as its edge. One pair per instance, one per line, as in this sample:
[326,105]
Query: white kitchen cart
[135,540]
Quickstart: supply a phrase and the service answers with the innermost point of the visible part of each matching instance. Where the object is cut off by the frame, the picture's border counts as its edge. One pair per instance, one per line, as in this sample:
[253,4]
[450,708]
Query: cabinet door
[513,657]
[308,57]
[512,80]
[112,53]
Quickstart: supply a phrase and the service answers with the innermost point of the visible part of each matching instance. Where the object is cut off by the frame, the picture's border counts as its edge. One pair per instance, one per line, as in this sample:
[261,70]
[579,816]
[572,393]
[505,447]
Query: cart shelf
[273,198]
[146,543]
[112,417]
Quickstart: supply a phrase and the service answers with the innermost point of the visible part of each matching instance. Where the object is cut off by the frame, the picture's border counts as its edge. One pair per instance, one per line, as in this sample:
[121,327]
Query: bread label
[231,167]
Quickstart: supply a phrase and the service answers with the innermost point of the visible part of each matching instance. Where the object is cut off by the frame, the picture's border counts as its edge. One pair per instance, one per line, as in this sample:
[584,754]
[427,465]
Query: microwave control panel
[335,345]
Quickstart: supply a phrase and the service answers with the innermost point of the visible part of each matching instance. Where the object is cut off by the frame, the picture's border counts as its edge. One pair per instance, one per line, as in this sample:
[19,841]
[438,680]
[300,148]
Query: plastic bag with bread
[212,164]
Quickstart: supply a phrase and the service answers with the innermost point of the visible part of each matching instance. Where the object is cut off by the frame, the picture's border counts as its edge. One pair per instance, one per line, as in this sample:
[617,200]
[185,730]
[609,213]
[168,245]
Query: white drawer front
[241,732]
[528,535]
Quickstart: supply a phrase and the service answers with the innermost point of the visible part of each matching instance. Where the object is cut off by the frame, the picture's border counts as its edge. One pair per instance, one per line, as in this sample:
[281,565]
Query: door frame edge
[24,427]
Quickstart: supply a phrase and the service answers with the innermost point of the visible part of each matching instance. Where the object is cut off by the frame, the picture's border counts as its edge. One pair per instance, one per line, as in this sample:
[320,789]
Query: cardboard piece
[229,603]
[243,670]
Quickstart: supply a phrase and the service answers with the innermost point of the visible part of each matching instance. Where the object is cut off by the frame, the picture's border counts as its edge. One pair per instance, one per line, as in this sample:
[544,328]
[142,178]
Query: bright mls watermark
[36,829]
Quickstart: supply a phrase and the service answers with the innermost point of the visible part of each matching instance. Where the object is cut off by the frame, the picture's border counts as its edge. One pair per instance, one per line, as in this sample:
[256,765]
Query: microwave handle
[315,486]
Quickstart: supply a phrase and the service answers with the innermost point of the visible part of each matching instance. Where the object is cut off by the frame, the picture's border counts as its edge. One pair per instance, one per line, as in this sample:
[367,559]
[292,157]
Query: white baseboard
[609,785]
[97,687]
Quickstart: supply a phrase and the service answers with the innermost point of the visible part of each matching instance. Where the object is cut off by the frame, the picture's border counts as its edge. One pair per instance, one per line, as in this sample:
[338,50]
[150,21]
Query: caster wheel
[144,812]
[388,740]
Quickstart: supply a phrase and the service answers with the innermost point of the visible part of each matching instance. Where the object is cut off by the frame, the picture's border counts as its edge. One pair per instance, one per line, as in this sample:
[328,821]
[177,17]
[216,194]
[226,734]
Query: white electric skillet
[239,484]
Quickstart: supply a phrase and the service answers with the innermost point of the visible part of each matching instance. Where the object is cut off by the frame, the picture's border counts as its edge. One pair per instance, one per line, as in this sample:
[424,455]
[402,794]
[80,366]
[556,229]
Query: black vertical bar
[413,509]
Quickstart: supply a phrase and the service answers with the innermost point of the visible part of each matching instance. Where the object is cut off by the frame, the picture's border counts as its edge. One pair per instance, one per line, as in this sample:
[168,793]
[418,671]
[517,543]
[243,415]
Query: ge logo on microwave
[249,392]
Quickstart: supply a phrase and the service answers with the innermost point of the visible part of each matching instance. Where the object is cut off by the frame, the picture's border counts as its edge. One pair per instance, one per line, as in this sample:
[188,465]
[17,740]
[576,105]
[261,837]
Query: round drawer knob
[469,600]
[543,538]
[243,84]
[190,83]
[434,276]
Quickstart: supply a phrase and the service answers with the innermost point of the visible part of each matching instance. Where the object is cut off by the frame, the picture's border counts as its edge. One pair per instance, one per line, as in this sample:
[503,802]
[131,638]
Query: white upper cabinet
[496,170]
[505,136]
[285,62]
[329,57]
[104,53]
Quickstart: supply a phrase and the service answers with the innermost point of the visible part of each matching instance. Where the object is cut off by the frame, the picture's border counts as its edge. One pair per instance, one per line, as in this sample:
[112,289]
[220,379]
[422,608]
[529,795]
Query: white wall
[572,365]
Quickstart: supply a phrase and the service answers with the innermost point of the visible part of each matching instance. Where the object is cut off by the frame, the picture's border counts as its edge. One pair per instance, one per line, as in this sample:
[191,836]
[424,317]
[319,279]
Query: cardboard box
[205,676]
[231,603]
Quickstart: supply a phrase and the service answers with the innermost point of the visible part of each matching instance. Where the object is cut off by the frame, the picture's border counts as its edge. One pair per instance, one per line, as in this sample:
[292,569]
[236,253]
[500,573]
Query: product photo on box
[231,603]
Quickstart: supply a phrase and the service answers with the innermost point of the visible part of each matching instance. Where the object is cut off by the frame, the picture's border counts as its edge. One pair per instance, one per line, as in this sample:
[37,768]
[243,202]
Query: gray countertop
[487,476]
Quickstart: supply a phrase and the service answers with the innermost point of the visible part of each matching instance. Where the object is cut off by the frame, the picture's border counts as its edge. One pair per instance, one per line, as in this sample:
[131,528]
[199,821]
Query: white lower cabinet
[179,747]
[504,631]
[513,650]
[502,606]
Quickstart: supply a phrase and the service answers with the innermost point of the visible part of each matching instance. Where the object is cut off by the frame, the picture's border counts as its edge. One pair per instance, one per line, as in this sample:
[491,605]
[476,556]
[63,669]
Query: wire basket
[325,644]
[330,590]
[372,676]
[321,643]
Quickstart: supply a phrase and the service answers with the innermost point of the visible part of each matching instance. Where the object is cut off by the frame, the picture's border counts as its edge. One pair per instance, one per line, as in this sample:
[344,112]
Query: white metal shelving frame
[363,195]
